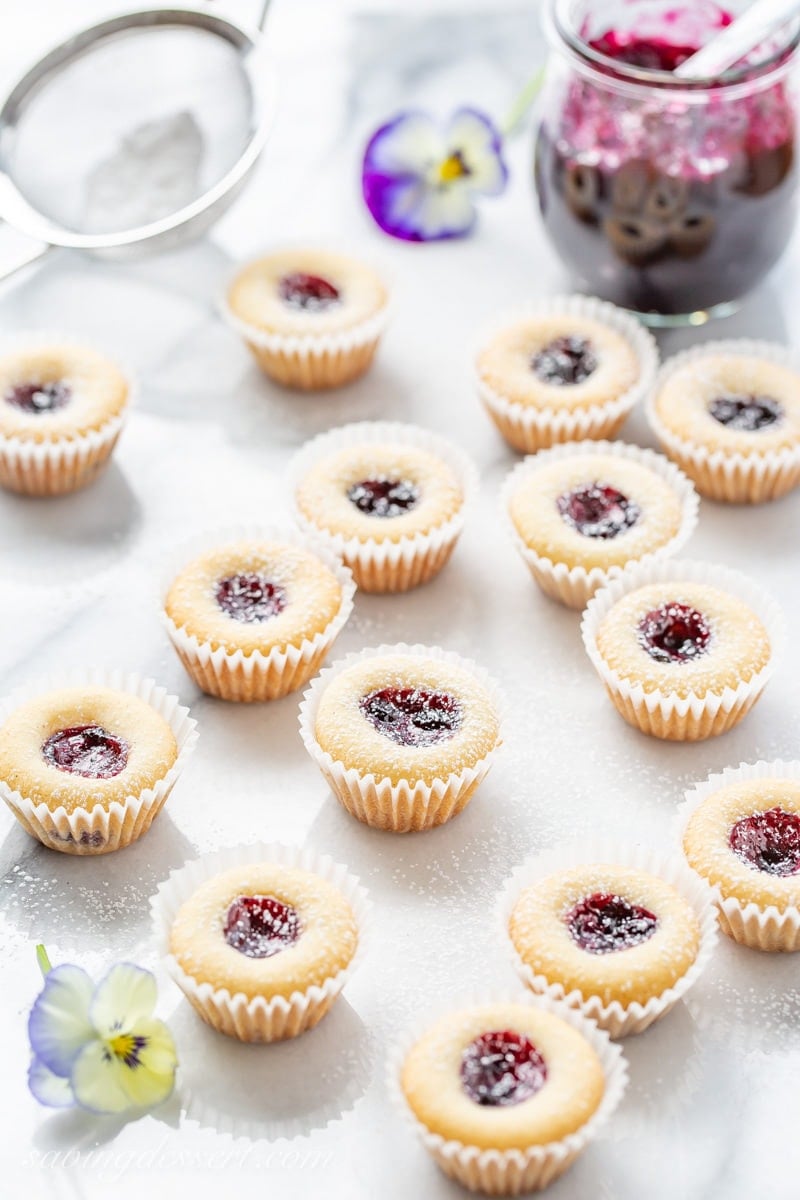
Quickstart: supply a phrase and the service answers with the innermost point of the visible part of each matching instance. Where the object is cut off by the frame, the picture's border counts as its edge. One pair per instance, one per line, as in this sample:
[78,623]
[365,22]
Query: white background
[711,1113]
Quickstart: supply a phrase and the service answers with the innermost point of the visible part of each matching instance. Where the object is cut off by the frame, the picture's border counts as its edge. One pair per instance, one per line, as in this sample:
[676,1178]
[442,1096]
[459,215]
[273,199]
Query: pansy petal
[134,1070]
[406,145]
[412,211]
[125,996]
[97,1080]
[48,1088]
[146,1089]
[151,1078]
[59,1025]
[478,141]
[445,212]
[158,1054]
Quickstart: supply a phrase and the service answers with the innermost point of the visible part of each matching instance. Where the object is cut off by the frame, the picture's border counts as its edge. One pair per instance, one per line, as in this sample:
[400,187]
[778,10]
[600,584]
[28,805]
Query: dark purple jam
[311,293]
[674,633]
[261,926]
[502,1068]
[38,398]
[412,716]
[565,361]
[598,510]
[603,924]
[768,841]
[249,597]
[384,497]
[87,750]
[652,53]
[664,206]
[746,414]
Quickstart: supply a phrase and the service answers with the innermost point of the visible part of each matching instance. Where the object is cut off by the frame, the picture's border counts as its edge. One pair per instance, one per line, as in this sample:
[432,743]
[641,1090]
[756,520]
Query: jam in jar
[670,197]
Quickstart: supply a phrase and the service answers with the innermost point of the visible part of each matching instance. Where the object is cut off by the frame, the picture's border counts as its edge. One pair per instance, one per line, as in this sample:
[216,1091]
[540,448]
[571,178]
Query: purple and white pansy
[420,179]
[99,1046]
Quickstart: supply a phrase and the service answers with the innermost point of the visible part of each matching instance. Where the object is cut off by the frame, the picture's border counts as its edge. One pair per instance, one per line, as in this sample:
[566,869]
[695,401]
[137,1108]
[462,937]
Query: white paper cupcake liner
[666,714]
[574,586]
[72,462]
[101,829]
[233,674]
[262,1018]
[378,564]
[55,468]
[619,1020]
[409,805]
[724,474]
[512,1172]
[312,361]
[529,428]
[761,928]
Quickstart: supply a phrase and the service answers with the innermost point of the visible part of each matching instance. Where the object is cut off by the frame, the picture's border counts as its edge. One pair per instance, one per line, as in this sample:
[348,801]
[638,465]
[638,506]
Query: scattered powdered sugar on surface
[57,905]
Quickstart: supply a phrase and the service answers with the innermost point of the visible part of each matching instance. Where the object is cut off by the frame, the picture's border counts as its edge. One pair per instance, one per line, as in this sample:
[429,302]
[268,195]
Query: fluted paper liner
[574,586]
[233,674]
[529,428]
[312,361]
[512,1172]
[102,829]
[666,714]
[409,805]
[761,928]
[262,1018]
[379,564]
[619,1020]
[724,474]
[72,462]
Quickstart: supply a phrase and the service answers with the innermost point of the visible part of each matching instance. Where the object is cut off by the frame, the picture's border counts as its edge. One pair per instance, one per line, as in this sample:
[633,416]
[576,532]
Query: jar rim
[615,72]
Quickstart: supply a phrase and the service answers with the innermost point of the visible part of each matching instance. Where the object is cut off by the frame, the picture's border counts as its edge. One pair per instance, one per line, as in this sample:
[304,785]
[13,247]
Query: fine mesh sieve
[135,133]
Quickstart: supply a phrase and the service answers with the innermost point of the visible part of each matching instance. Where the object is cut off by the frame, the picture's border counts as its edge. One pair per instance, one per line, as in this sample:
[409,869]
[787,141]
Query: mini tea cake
[613,932]
[312,318]
[253,619]
[61,412]
[729,414]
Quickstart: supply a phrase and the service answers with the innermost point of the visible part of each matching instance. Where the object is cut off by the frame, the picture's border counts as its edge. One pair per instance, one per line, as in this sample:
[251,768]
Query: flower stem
[521,106]
[45,966]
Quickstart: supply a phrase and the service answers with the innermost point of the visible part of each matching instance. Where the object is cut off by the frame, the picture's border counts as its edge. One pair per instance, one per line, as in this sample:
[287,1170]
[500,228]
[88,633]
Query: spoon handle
[752,27]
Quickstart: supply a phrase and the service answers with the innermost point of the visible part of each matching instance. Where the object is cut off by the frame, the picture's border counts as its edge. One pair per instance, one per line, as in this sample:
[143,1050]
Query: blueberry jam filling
[412,716]
[674,633]
[36,398]
[602,924]
[502,1068]
[249,597]
[87,750]
[310,293]
[768,841]
[597,510]
[261,926]
[565,361]
[746,414]
[383,497]
[654,54]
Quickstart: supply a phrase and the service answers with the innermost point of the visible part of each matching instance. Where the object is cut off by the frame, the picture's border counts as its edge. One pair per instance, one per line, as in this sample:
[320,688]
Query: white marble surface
[712,1109]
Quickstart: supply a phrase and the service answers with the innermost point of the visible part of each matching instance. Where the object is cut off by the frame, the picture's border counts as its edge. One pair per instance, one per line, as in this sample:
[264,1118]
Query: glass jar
[668,197]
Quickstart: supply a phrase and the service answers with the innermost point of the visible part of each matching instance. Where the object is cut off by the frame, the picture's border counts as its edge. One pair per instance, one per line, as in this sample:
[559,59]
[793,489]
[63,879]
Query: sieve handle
[25,258]
[265,5]
[262,19]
